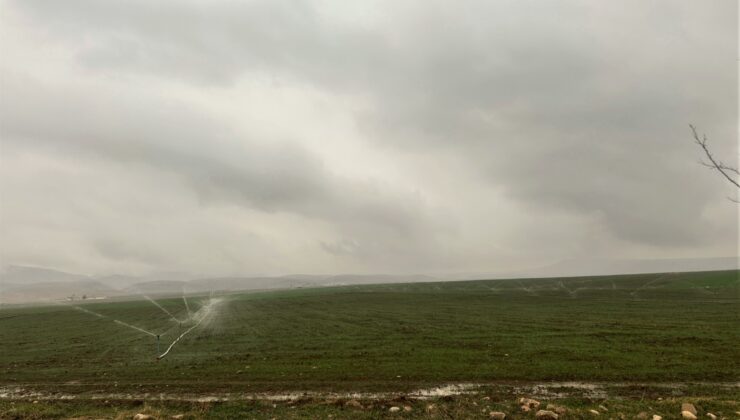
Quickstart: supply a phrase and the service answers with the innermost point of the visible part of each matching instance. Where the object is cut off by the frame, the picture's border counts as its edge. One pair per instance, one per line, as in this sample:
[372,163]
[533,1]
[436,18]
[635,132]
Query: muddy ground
[461,400]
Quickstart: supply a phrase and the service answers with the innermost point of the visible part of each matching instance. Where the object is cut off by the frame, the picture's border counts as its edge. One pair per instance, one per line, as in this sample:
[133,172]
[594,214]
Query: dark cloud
[211,43]
[217,162]
[566,110]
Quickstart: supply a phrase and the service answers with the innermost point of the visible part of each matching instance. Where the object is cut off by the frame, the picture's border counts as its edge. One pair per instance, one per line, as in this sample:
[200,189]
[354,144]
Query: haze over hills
[21,284]
[590,267]
[41,291]
[17,274]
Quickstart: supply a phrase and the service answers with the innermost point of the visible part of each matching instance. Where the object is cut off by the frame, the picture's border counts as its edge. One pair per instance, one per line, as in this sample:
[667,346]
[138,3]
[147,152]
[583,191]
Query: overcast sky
[275,137]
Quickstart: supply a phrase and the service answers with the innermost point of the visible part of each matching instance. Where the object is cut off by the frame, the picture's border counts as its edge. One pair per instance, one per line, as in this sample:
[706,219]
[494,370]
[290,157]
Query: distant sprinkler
[158,344]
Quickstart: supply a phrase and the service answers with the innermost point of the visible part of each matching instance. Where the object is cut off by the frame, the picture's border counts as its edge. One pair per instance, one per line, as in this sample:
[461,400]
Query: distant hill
[57,290]
[591,267]
[295,281]
[245,283]
[604,266]
[17,274]
[28,284]
[118,281]
[157,287]
[31,284]
[347,279]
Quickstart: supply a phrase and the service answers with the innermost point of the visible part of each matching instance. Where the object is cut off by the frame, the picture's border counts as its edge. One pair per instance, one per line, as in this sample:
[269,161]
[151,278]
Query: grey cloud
[220,165]
[558,111]
[208,44]
[571,107]
[177,140]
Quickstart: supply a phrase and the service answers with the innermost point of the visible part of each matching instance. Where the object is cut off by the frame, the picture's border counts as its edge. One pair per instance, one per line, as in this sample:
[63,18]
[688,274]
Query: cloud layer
[273,137]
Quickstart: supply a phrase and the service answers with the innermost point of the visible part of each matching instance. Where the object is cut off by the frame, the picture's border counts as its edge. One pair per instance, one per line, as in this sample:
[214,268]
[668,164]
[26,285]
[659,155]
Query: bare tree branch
[715,164]
[730,169]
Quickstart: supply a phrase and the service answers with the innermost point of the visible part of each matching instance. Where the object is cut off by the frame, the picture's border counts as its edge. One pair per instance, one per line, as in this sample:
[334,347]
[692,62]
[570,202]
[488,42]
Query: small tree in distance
[729,172]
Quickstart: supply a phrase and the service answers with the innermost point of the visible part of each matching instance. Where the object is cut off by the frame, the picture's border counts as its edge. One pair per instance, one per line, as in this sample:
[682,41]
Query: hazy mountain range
[591,267]
[20,284]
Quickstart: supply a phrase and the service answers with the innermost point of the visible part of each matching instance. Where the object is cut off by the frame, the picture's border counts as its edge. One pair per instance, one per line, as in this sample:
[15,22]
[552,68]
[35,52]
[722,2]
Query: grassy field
[680,327]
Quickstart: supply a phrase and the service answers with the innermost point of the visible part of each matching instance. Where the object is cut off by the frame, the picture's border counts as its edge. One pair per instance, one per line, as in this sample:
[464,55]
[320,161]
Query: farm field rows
[635,329]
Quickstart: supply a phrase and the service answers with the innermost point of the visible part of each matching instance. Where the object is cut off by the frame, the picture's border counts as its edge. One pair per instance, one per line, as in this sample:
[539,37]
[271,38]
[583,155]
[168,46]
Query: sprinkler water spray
[187,306]
[202,314]
[89,312]
[154,302]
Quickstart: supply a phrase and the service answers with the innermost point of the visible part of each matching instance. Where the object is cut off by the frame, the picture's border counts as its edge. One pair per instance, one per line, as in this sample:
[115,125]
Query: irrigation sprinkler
[202,314]
[119,322]
[154,302]
[157,343]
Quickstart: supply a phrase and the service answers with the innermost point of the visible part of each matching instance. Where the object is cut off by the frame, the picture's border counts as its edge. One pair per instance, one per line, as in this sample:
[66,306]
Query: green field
[653,328]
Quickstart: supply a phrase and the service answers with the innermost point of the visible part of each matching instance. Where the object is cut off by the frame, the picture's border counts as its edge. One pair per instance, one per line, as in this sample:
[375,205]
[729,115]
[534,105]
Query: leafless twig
[715,164]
